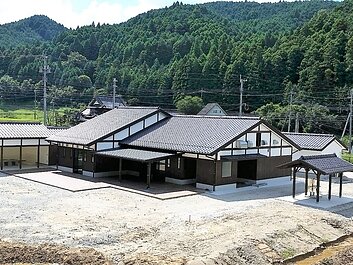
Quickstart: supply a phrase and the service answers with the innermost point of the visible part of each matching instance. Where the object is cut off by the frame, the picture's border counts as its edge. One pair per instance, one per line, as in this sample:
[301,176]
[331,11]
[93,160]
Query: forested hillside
[29,30]
[201,50]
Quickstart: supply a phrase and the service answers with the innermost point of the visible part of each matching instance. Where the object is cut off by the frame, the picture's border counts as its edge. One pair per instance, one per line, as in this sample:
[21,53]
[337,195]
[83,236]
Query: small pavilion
[330,165]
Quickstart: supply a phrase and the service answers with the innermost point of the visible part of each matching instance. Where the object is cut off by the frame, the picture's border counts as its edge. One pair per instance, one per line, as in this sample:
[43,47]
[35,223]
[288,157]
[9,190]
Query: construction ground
[51,217]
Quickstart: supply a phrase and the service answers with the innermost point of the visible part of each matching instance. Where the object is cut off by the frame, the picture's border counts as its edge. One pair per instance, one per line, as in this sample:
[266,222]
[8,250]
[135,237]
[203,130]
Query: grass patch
[287,253]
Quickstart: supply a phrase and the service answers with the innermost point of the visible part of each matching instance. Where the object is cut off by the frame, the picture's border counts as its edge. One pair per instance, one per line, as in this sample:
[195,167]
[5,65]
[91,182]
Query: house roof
[193,134]
[107,101]
[208,108]
[103,125]
[310,141]
[17,130]
[324,164]
[135,154]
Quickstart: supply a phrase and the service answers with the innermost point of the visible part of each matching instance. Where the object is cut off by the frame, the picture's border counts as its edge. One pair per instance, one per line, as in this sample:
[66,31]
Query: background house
[315,144]
[212,109]
[99,105]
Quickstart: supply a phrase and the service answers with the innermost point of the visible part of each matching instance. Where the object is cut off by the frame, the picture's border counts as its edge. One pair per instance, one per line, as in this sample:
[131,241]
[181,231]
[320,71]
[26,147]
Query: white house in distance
[212,109]
[315,144]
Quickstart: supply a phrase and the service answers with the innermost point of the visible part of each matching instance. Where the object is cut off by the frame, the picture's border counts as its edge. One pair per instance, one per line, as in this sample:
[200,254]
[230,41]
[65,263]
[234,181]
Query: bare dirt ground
[256,227]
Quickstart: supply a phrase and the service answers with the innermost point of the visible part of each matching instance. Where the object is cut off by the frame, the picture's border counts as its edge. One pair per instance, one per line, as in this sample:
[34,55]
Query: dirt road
[255,227]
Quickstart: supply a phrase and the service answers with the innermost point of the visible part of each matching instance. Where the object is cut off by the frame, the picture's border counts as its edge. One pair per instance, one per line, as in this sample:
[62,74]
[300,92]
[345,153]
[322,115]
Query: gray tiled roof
[107,101]
[206,109]
[134,154]
[194,134]
[92,130]
[12,130]
[311,141]
[324,164]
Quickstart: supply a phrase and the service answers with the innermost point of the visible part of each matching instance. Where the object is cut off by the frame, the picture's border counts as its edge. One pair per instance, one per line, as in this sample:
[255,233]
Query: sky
[73,13]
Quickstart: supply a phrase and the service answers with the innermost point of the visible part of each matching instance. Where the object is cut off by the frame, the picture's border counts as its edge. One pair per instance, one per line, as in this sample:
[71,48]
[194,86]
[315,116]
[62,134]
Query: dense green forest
[32,30]
[201,50]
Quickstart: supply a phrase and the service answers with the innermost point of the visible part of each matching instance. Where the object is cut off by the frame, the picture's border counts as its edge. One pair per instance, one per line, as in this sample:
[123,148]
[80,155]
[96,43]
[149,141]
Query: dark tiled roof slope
[135,154]
[108,101]
[194,134]
[25,130]
[311,141]
[92,130]
[327,164]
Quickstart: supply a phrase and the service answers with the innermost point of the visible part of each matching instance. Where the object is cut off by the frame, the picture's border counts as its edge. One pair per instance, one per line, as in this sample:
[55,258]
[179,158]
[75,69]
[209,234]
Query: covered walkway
[330,165]
[136,155]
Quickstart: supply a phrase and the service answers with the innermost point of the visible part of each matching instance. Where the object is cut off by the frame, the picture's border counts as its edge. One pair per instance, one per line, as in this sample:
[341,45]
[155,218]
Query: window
[161,165]
[179,162]
[92,158]
[84,156]
[226,169]
[64,152]
[168,162]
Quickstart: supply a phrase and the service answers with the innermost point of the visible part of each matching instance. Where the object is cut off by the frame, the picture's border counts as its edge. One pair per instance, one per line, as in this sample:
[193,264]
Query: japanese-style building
[24,145]
[148,143]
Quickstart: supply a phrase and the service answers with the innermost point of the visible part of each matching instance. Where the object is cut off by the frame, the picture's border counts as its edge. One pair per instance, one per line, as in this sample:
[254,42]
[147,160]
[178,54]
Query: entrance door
[78,161]
[189,168]
[247,172]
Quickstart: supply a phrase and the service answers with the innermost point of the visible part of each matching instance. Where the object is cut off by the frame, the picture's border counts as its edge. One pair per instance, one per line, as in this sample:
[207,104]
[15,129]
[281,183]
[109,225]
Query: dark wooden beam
[317,187]
[2,154]
[294,176]
[20,162]
[341,180]
[306,180]
[120,168]
[329,186]
[149,175]
[38,153]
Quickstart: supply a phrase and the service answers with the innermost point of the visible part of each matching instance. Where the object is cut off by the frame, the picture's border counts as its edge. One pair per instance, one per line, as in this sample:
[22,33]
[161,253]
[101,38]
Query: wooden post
[294,176]
[317,187]
[306,180]
[329,186]
[149,175]
[2,154]
[341,177]
[38,153]
[120,168]
[20,164]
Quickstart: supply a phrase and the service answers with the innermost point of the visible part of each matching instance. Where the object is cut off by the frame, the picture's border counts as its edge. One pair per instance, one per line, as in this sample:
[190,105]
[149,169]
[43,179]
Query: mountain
[159,56]
[29,30]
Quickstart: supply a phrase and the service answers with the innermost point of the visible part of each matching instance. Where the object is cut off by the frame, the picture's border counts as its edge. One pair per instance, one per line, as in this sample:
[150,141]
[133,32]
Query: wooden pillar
[2,154]
[38,153]
[317,187]
[149,175]
[341,180]
[306,180]
[329,186]
[120,168]
[20,162]
[294,177]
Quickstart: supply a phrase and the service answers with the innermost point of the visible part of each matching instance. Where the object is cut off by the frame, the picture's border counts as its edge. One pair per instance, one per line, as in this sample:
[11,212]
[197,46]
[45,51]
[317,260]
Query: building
[23,145]
[100,105]
[150,144]
[212,109]
[315,144]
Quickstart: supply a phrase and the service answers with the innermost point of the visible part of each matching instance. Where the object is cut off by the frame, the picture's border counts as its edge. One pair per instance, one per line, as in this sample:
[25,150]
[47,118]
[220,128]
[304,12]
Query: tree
[189,105]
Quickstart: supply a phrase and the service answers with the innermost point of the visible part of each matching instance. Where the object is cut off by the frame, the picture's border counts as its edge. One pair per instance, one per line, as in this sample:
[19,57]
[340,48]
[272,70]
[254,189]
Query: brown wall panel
[267,167]
[205,171]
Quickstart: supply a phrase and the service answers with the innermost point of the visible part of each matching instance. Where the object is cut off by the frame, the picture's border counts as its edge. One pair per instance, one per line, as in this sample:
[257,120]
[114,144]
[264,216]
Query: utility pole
[290,110]
[241,95]
[114,91]
[45,70]
[350,122]
[296,125]
[35,104]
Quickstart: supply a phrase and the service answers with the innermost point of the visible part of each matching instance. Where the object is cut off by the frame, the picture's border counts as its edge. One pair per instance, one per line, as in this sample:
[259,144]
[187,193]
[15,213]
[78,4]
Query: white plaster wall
[334,148]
